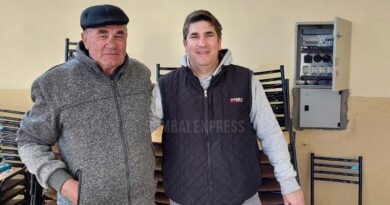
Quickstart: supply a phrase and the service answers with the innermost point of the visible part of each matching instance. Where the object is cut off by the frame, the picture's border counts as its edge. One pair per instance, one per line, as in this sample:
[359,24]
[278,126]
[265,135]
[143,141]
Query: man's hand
[294,198]
[70,190]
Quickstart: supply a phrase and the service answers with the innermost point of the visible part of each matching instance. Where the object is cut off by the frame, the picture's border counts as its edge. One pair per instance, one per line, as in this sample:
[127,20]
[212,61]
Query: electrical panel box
[319,108]
[322,57]
[321,74]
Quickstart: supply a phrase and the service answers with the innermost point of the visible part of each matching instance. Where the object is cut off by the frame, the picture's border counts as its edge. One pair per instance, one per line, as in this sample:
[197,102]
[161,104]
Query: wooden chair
[14,187]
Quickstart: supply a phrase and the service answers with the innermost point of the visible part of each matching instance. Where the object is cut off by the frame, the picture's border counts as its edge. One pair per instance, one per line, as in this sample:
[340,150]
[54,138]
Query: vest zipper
[124,142]
[207,137]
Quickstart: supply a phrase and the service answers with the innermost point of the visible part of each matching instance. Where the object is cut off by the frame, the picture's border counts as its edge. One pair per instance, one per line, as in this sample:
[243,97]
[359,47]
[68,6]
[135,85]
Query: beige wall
[366,136]
[260,34]
[15,99]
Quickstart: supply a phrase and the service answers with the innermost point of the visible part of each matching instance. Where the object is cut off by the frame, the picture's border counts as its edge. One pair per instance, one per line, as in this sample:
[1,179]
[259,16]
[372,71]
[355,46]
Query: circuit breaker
[321,75]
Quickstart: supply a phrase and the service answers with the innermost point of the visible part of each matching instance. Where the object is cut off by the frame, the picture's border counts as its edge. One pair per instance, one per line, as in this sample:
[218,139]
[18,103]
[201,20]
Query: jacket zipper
[78,177]
[207,137]
[124,142]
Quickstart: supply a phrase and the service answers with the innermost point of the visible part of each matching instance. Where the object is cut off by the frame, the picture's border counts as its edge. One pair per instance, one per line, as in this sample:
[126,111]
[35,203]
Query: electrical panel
[321,74]
[323,54]
[318,110]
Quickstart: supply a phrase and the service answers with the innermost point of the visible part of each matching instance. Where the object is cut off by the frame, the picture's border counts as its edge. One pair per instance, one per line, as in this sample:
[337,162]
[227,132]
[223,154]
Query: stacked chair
[276,88]
[160,197]
[14,186]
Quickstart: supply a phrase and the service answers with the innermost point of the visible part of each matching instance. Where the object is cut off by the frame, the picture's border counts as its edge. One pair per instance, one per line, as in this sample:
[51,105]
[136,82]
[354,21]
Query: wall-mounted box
[321,74]
[320,108]
[322,57]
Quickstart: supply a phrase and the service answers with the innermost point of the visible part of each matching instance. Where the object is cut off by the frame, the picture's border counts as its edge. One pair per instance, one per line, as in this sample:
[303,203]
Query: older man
[93,107]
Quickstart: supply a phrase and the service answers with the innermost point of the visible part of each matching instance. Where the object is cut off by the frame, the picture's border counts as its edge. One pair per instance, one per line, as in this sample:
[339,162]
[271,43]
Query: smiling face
[202,45]
[106,45]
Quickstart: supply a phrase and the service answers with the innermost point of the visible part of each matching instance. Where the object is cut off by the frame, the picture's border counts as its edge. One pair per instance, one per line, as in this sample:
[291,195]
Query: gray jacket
[101,126]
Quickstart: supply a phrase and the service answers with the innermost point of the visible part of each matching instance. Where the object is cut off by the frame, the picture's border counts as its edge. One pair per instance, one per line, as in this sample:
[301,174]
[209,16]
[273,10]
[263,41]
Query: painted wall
[367,136]
[261,35]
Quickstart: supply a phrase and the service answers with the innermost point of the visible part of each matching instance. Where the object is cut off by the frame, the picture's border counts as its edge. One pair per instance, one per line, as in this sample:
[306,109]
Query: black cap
[102,15]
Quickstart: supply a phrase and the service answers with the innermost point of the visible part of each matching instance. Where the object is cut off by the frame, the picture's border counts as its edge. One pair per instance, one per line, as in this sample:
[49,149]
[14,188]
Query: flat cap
[102,15]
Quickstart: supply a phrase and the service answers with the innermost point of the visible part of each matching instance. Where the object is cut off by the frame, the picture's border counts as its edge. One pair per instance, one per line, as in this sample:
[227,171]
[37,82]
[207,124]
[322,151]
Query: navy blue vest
[210,150]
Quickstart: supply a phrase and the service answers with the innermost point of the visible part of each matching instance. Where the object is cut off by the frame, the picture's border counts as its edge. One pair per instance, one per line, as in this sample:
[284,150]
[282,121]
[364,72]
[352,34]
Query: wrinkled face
[106,45]
[202,45]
